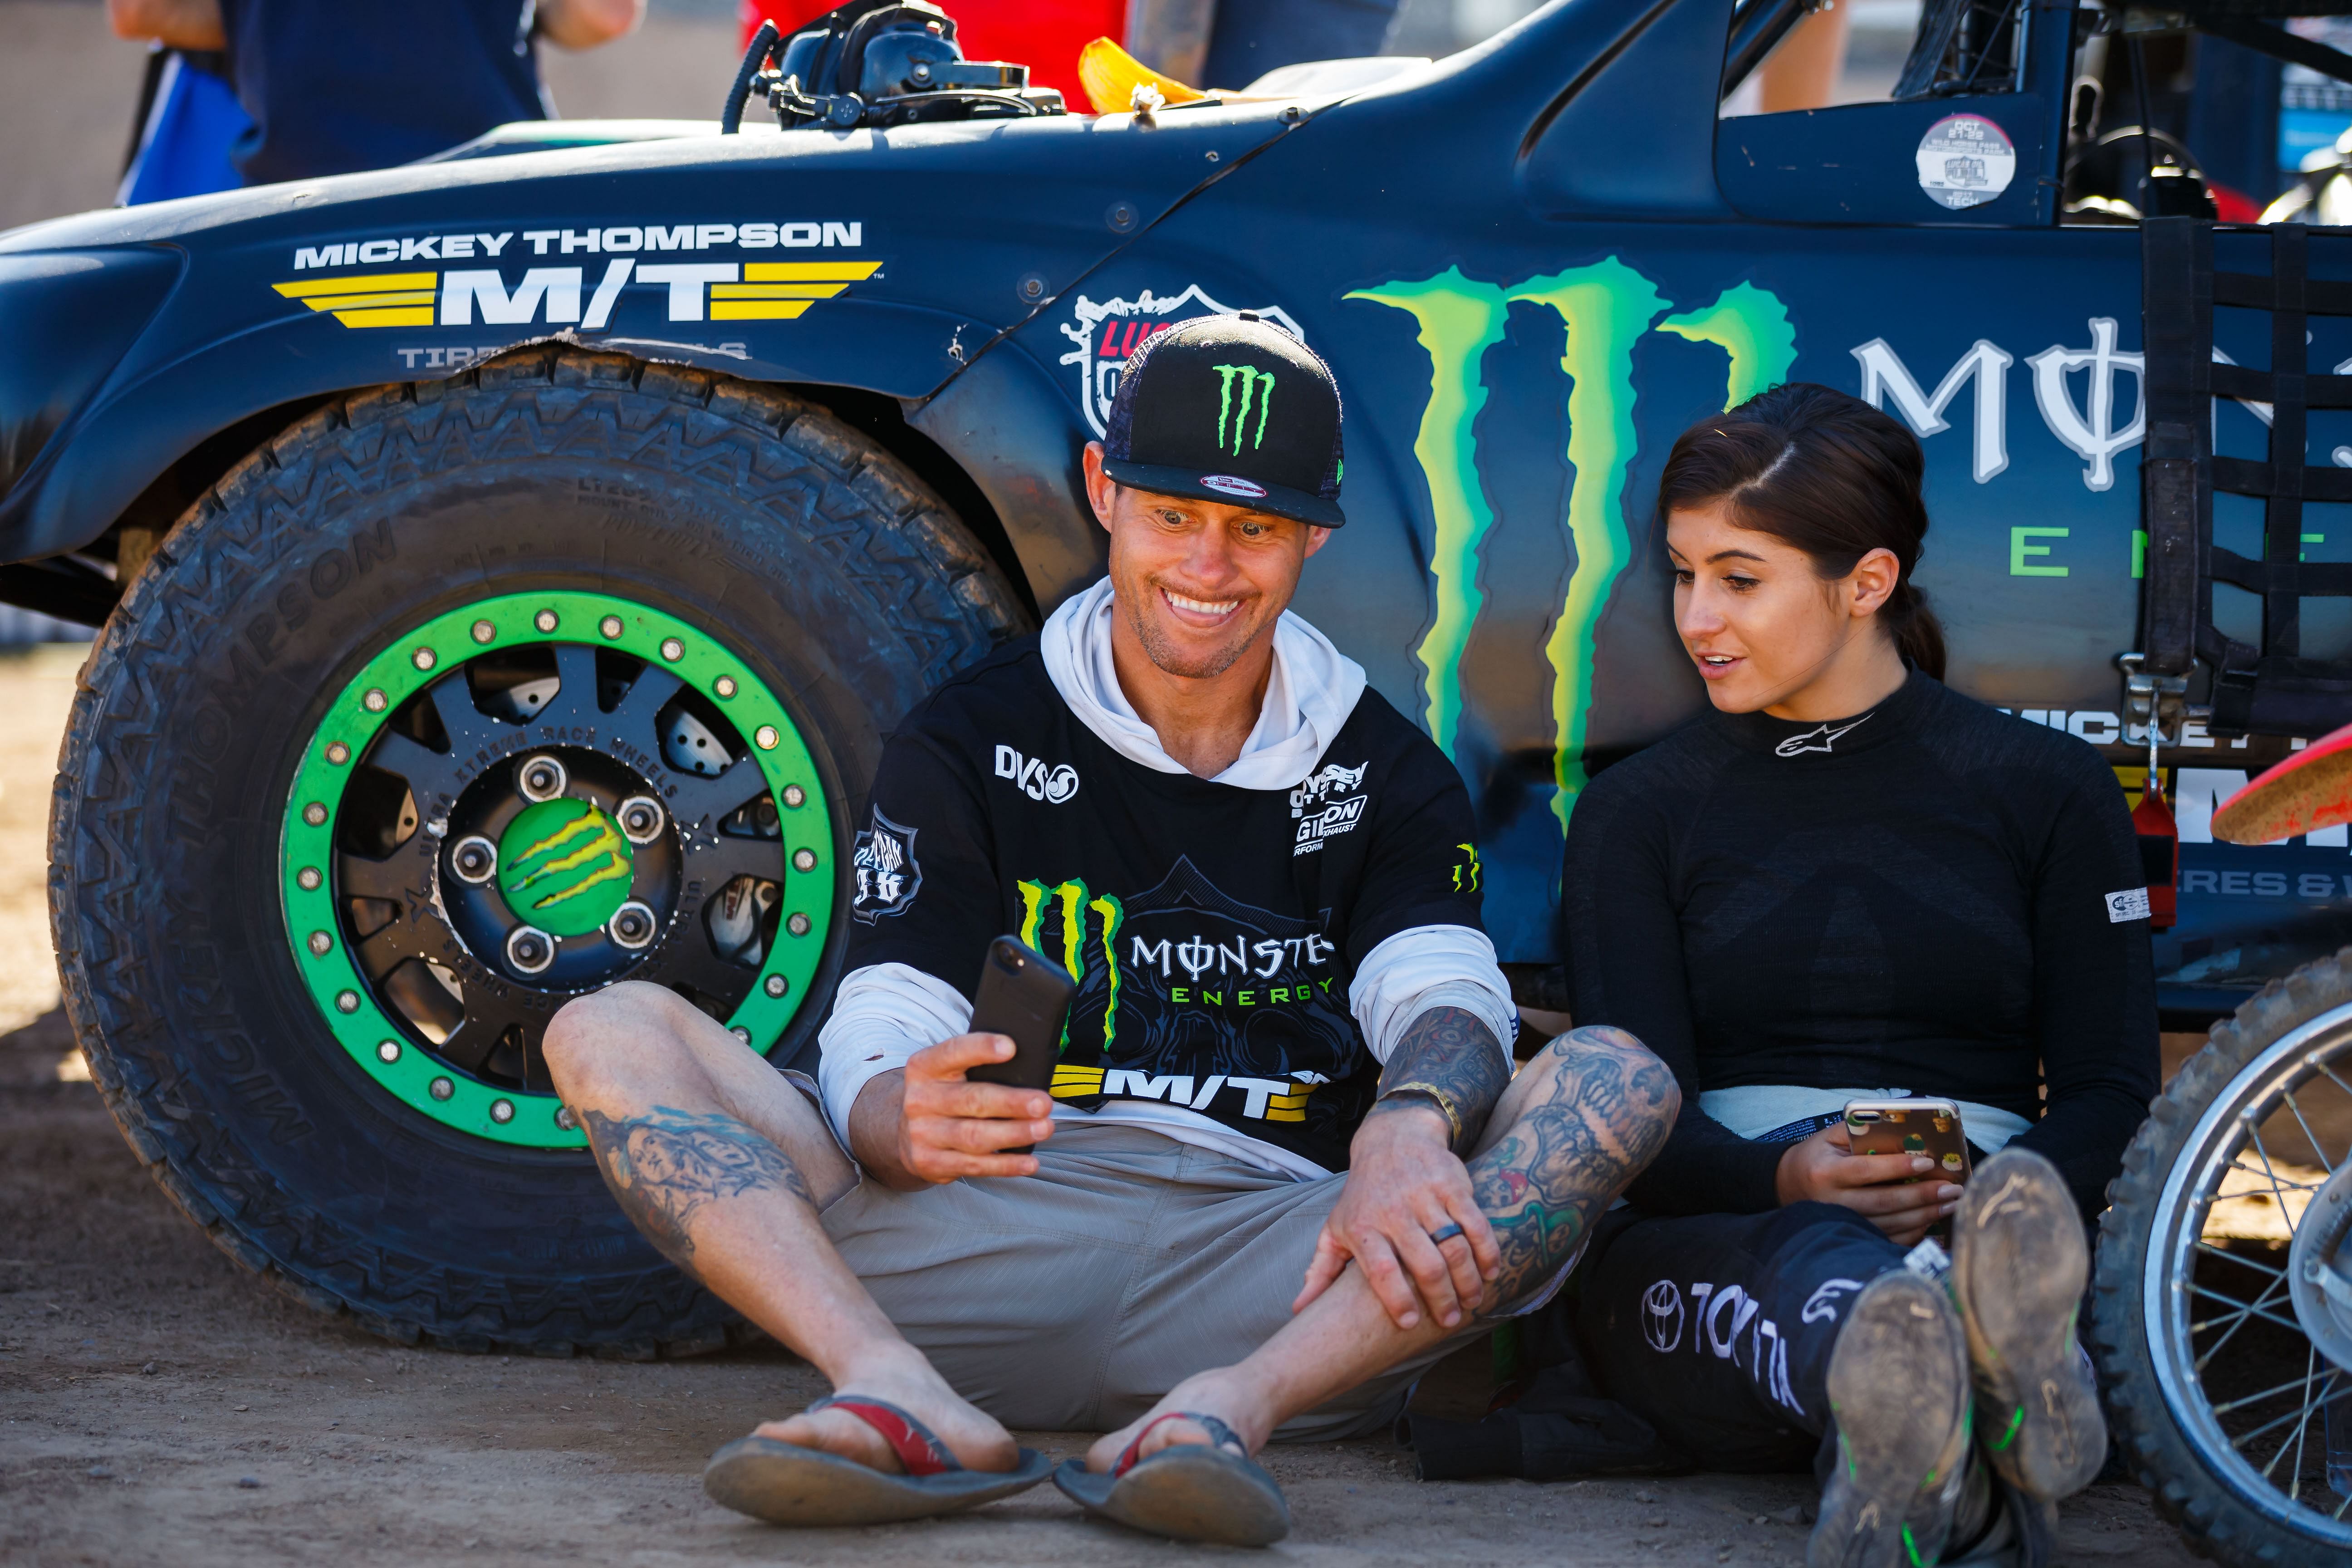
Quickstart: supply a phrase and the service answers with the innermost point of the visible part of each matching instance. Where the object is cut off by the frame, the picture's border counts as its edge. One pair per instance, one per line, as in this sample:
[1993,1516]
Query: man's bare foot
[908,1381]
[1220,1393]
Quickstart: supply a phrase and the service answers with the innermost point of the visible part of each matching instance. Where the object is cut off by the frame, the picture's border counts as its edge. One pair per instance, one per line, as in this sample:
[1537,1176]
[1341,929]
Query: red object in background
[2159,851]
[1044,35]
[2230,207]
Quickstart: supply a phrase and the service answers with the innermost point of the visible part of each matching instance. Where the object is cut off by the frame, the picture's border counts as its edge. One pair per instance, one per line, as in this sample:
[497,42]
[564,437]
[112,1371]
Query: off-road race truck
[507,567]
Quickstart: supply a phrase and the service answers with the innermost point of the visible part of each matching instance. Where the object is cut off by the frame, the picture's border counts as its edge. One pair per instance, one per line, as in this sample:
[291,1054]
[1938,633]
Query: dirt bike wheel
[451,703]
[2215,1385]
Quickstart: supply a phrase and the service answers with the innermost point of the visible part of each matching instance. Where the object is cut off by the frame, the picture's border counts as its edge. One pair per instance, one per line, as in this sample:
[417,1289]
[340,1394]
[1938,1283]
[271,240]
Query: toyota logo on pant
[1662,1316]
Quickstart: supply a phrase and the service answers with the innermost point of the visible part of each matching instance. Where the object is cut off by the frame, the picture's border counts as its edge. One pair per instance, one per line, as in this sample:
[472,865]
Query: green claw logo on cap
[564,866]
[1252,379]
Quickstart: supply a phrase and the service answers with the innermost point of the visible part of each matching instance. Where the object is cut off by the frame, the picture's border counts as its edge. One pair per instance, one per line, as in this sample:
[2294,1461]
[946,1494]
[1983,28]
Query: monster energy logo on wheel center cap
[564,866]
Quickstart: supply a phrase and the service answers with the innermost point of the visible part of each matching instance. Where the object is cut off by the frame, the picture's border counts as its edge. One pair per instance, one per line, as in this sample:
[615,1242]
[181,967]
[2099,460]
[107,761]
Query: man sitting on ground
[1262,878]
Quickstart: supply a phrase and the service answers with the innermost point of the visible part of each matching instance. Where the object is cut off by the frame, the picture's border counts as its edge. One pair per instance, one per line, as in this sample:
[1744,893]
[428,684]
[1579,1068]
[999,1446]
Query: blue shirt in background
[333,88]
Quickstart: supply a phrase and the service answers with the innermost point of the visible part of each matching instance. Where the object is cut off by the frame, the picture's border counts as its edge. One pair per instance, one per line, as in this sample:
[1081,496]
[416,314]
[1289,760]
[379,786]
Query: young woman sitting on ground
[1848,881]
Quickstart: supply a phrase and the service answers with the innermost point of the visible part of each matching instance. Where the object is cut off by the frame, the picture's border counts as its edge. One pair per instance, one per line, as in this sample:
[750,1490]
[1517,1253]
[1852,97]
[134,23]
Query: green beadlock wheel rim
[388,1050]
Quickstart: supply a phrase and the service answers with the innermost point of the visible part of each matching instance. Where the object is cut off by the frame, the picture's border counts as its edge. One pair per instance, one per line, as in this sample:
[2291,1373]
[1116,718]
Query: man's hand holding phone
[927,1123]
[1824,1169]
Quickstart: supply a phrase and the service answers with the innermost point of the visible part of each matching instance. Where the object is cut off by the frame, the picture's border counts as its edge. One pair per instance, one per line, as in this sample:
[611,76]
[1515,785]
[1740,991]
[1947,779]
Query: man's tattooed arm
[1600,1114]
[665,1164]
[1450,1060]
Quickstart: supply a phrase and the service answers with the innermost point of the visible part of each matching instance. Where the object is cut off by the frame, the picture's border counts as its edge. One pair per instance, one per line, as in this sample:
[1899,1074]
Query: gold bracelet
[1438,1097]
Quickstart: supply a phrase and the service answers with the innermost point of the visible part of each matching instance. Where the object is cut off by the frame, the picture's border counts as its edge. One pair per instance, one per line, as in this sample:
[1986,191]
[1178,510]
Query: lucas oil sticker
[1965,160]
[1108,333]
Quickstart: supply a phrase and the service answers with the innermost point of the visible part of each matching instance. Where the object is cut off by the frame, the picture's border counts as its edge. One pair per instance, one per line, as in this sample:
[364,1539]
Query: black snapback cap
[1230,409]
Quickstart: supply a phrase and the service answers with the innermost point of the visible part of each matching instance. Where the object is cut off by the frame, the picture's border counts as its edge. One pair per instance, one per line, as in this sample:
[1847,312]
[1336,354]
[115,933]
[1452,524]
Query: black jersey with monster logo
[1213,930]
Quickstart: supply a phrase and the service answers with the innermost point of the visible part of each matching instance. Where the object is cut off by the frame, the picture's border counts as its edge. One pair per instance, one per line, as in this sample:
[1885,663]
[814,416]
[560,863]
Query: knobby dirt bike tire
[2218,1522]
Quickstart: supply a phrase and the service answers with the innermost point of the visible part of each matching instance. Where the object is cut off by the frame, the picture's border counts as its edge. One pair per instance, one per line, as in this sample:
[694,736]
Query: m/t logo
[1253,382]
[690,291]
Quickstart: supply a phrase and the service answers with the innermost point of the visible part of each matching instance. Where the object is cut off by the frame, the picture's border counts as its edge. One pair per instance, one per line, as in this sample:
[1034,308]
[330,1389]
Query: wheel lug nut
[347,1001]
[502,1111]
[530,949]
[767,738]
[388,1052]
[544,620]
[804,860]
[315,815]
[375,702]
[724,686]
[321,944]
[798,925]
[423,658]
[631,926]
[542,777]
[740,1033]
[776,985]
[307,878]
[475,860]
[565,1119]
[610,626]
[443,1089]
[795,794]
[484,631]
[338,753]
[640,817]
[673,650]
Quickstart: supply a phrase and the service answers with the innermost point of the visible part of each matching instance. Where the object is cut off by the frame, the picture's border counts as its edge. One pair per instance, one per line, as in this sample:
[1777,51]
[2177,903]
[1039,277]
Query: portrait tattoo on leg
[664,1165]
[1604,1116]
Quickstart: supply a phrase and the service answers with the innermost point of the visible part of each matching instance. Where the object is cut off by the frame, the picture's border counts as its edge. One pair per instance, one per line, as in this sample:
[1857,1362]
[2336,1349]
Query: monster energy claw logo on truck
[1255,383]
[1605,309]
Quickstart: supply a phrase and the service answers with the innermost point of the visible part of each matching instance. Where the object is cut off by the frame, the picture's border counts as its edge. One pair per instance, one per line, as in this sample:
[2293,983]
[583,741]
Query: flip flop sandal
[1192,1492]
[784,1483]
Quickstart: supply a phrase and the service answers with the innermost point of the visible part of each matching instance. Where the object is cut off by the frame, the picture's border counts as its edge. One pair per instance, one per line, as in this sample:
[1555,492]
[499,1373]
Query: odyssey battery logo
[1107,334]
[582,294]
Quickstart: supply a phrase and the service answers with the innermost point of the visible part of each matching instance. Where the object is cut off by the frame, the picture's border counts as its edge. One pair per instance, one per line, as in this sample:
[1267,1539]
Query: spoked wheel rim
[2218,1315]
[523,800]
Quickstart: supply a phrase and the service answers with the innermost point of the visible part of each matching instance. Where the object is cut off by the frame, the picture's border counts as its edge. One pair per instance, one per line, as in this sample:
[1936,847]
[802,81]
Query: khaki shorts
[1072,1299]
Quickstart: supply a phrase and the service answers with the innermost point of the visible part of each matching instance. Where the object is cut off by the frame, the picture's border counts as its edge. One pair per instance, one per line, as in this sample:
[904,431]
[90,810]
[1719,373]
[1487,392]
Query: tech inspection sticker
[1965,160]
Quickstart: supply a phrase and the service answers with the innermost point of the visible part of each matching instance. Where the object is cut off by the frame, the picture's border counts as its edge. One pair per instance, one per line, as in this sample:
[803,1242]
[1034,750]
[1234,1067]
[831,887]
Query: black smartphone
[1025,996]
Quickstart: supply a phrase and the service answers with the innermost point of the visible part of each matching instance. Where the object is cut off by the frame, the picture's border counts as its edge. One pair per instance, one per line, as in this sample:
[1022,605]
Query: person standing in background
[332,89]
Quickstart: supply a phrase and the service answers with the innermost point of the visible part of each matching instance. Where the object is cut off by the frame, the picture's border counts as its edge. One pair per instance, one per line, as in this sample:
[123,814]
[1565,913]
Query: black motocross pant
[1717,1329]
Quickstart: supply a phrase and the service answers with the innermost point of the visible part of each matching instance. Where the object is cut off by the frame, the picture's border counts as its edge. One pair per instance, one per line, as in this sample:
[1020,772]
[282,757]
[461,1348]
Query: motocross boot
[2019,1262]
[1898,1388]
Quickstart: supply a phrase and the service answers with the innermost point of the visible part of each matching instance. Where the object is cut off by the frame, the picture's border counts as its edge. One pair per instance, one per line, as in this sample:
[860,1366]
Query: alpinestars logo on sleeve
[888,874]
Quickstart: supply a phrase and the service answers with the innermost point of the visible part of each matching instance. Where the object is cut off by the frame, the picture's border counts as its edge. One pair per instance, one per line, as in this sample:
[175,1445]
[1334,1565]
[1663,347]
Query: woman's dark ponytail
[1827,473]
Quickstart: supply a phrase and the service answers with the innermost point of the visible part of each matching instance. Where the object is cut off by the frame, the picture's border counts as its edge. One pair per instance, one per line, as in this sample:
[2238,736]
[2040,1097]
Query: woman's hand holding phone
[950,1127]
[1824,1169]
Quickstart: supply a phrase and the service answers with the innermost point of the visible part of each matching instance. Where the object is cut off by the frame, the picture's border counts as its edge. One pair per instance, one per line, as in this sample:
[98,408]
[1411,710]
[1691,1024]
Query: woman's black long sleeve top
[1933,897]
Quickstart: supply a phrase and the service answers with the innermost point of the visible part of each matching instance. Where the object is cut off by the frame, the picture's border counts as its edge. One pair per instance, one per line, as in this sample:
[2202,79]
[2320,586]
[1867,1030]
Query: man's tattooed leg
[1449,1060]
[1599,1115]
[664,1165]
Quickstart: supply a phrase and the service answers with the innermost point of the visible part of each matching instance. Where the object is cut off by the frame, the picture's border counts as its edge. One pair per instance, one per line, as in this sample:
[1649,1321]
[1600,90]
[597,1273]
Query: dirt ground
[157,1404]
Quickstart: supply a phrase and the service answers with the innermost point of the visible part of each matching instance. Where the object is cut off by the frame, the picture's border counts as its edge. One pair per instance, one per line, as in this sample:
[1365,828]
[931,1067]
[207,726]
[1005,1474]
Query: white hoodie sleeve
[1426,967]
[881,1015]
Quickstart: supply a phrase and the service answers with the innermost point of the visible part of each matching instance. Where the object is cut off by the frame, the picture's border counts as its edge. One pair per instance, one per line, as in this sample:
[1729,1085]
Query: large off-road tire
[453,701]
[2192,1321]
